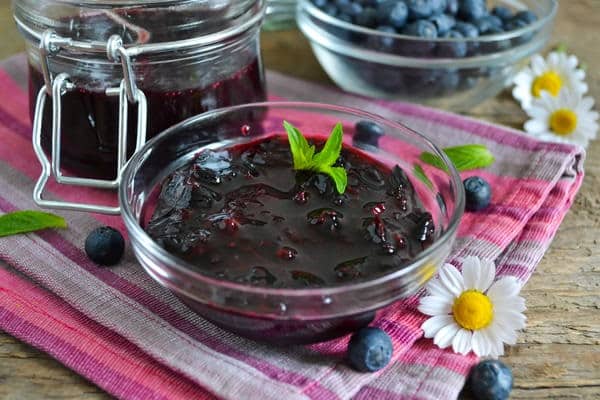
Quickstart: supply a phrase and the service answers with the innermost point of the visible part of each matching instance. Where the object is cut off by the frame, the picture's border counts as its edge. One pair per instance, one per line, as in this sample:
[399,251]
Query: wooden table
[558,356]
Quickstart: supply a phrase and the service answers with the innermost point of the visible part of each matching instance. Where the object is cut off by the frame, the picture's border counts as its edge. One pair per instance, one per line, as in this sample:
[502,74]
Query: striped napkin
[135,340]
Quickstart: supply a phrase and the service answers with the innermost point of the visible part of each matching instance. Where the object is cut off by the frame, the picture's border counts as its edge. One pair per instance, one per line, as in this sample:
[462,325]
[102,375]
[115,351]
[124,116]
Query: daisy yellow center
[549,81]
[563,121]
[473,310]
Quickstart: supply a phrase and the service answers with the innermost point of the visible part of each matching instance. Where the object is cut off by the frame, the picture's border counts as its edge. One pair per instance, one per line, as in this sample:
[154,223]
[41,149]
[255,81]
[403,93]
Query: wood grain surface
[557,357]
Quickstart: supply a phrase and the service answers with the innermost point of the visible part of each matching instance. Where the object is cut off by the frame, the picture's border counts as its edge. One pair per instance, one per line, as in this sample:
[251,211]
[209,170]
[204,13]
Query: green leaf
[420,174]
[332,149]
[464,158]
[339,176]
[302,152]
[29,221]
[305,158]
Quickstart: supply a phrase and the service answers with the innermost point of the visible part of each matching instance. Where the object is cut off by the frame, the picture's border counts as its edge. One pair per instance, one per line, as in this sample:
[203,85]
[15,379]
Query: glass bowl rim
[321,15]
[183,267]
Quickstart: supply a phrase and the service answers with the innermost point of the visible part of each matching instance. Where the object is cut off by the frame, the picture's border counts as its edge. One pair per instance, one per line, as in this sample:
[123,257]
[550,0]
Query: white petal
[434,324]
[433,305]
[496,345]
[538,65]
[471,271]
[511,319]
[511,304]
[535,126]
[479,344]
[462,342]
[507,335]
[445,336]
[452,279]
[553,59]
[524,78]
[435,288]
[537,112]
[504,288]
[488,273]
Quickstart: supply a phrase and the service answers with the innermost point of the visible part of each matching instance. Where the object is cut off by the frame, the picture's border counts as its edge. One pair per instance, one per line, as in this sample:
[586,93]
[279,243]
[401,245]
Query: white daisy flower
[470,311]
[567,118]
[559,71]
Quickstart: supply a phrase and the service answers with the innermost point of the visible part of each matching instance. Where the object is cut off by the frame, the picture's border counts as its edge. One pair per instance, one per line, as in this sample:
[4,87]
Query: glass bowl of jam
[186,57]
[282,255]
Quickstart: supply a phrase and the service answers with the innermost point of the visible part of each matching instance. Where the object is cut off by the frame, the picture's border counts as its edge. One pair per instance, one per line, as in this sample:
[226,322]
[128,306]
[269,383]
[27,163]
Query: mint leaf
[29,221]
[332,149]
[420,174]
[305,158]
[464,158]
[302,152]
[338,174]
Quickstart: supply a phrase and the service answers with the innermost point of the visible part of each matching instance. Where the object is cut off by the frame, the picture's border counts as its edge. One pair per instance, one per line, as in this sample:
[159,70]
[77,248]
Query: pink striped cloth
[135,340]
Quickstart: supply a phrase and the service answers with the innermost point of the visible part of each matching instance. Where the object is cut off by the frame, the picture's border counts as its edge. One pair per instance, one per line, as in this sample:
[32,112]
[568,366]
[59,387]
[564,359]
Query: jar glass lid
[138,23]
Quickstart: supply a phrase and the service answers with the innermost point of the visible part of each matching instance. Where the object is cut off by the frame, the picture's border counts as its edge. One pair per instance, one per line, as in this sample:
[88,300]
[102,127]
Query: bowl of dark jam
[218,214]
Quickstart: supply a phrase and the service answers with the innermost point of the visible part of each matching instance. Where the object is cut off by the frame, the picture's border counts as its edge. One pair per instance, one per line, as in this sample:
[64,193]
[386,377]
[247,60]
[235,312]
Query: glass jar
[185,57]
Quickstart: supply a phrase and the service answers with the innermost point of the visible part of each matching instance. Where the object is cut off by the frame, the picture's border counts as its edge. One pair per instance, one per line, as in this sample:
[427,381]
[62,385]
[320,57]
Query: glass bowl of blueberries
[290,222]
[451,54]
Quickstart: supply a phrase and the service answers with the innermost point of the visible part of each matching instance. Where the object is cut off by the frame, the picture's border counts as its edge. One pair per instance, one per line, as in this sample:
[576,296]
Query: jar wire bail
[56,87]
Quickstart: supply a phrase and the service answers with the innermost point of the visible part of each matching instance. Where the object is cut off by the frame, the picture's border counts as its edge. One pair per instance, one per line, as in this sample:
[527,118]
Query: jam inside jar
[218,66]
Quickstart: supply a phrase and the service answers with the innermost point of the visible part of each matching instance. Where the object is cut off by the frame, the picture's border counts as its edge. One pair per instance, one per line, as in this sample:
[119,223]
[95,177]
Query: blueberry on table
[491,380]
[367,132]
[503,13]
[443,23]
[418,9]
[105,246]
[472,10]
[478,193]
[369,350]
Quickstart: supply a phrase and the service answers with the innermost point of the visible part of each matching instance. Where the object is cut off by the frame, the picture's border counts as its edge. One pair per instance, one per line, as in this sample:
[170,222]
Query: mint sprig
[29,221]
[464,158]
[305,158]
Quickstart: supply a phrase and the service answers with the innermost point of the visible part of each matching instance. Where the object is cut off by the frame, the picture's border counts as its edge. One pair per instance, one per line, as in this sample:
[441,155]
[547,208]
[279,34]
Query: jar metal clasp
[55,88]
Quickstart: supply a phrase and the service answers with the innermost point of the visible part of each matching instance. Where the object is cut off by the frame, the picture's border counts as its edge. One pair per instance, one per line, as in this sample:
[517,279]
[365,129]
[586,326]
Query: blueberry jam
[241,213]
[90,118]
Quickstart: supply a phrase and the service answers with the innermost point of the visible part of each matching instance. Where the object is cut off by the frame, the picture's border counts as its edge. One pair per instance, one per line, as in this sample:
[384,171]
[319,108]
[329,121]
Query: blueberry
[527,16]
[478,193]
[452,49]
[352,9]
[367,18]
[385,43]
[330,9]
[515,24]
[471,10]
[466,29]
[488,23]
[369,350]
[367,132]
[491,380]
[398,15]
[452,7]
[438,6]
[320,3]
[503,13]
[105,246]
[418,9]
[345,18]
[384,8]
[443,23]
[421,28]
